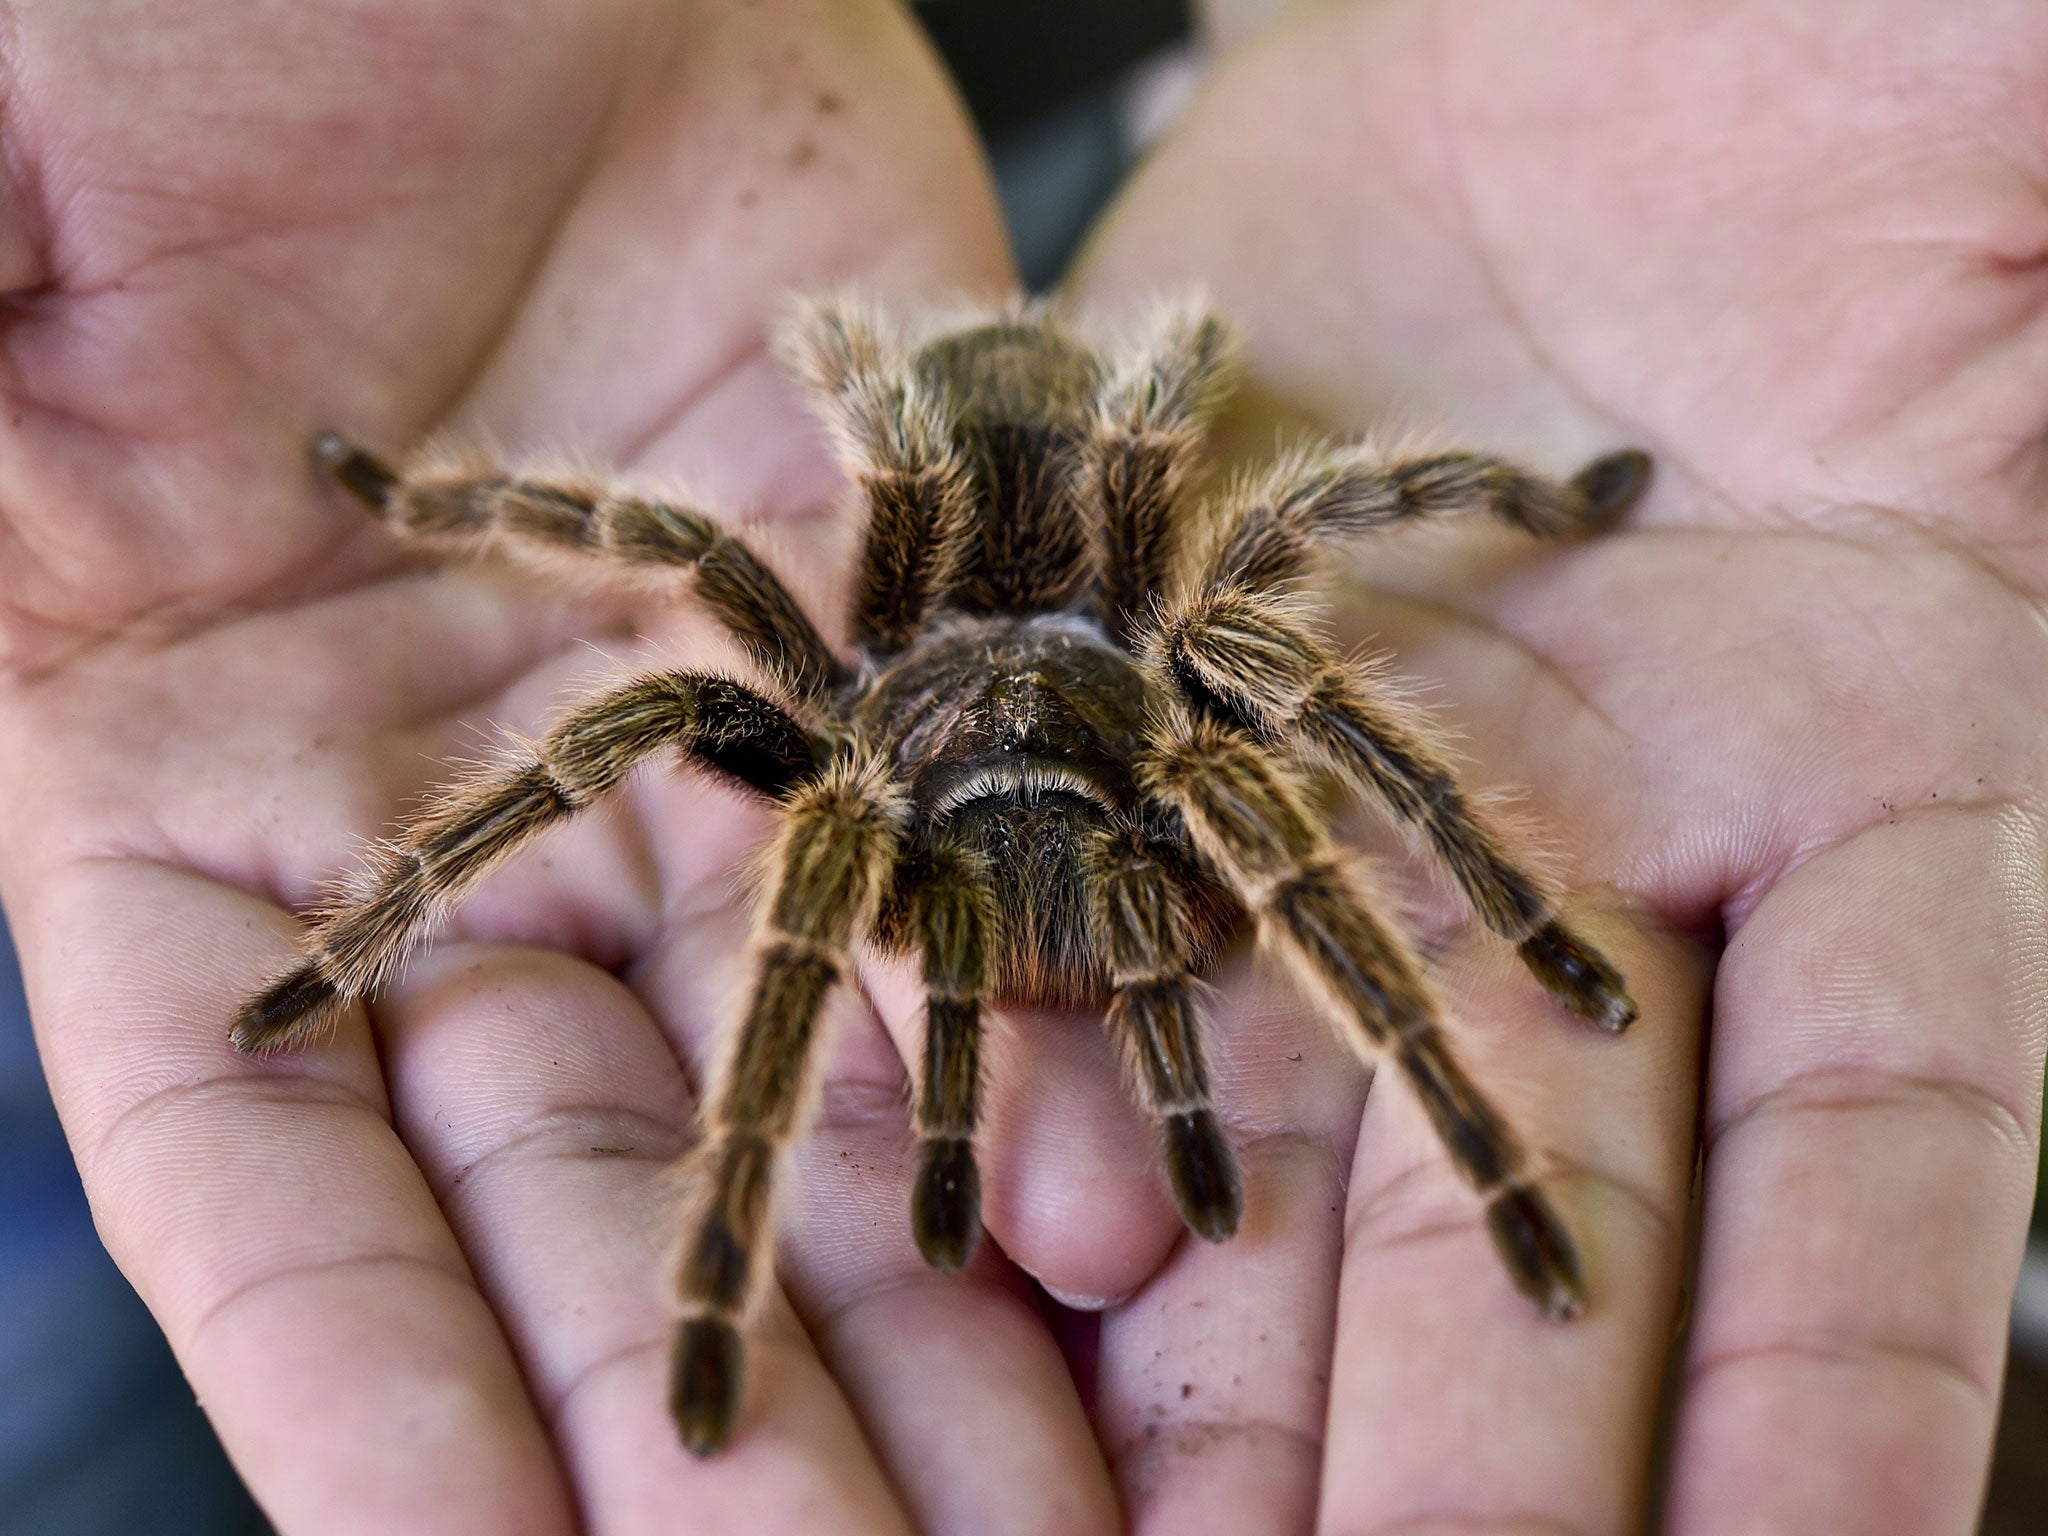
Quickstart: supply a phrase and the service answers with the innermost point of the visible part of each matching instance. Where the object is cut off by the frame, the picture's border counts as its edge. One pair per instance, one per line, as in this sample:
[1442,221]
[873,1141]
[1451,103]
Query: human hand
[417,1278]
[1788,724]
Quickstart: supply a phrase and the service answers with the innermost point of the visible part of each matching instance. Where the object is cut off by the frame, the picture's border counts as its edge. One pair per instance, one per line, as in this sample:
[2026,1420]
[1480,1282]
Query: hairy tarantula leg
[1138,920]
[1252,823]
[445,853]
[1273,524]
[365,476]
[536,516]
[1239,656]
[895,439]
[1148,434]
[829,863]
[952,897]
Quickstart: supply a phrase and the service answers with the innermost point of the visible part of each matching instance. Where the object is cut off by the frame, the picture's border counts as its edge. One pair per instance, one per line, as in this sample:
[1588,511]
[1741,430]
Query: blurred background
[99,1433]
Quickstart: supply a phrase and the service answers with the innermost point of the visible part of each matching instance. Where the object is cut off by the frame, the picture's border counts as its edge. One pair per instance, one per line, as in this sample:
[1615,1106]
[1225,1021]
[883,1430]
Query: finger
[1212,1378]
[962,1387]
[273,1222]
[1873,1106]
[1072,1188]
[546,1108]
[1454,1404]
[963,1393]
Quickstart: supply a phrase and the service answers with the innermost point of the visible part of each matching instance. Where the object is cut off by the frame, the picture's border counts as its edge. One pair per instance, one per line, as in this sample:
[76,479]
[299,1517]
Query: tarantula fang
[1071,760]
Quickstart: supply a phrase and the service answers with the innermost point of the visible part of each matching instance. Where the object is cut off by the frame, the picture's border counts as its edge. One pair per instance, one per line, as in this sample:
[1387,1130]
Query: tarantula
[1070,759]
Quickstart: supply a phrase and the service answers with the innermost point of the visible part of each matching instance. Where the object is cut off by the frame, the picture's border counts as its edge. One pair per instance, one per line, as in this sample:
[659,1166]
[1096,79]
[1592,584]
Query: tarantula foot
[285,1010]
[704,1383]
[1611,485]
[1578,976]
[365,476]
[1203,1173]
[945,1210]
[1537,1251]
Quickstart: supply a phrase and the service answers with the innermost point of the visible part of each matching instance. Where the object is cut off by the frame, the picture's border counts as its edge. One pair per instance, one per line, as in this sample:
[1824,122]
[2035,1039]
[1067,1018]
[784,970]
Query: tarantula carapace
[1070,756]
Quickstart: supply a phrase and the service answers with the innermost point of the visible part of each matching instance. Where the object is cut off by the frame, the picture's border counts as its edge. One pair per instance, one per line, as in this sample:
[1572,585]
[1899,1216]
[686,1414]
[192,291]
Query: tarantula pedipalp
[1070,762]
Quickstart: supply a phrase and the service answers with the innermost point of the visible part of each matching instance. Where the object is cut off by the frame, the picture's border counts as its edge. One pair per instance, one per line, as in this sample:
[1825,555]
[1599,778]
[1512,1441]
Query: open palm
[1791,721]
[1787,722]
[417,1277]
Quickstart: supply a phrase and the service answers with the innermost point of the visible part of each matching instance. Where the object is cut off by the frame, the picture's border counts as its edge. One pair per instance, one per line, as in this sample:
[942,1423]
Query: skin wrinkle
[1136,1455]
[747,353]
[555,1404]
[162,626]
[299,1087]
[1253,1140]
[164,631]
[1445,1524]
[854,1102]
[1943,536]
[572,1132]
[699,900]
[1479,624]
[1551,1169]
[1971,352]
[158,629]
[607,641]
[1849,1349]
[830,1319]
[423,705]
[1806,1092]
[238,1295]
[602,937]
[1931,540]
[1739,906]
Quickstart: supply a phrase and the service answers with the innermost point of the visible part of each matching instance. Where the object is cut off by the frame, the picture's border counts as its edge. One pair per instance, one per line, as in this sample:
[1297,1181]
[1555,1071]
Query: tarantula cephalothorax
[1071,757]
